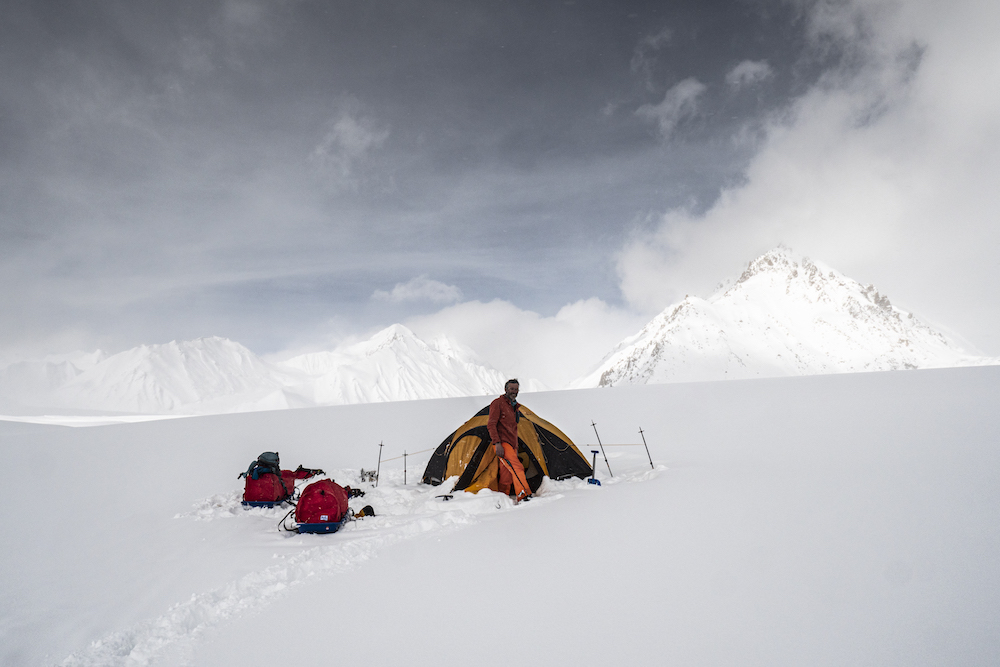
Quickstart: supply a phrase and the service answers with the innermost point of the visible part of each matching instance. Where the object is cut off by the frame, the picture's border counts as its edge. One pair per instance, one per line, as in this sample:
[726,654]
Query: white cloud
[887,170]
[680,102]
[420,288]
[522,343]
[748,73]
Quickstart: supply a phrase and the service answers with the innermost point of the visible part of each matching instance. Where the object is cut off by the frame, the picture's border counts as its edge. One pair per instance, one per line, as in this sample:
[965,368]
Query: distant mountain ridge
[395,365]
[215,375]
[155,379]
[785,315]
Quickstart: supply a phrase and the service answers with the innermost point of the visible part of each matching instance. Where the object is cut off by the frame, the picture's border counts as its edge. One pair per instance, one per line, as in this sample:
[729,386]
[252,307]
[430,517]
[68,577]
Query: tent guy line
[405,454]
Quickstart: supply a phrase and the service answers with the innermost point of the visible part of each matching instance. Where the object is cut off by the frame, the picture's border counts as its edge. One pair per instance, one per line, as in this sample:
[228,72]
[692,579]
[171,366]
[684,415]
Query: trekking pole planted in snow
[379,467]
[602,448]
[404,467]
[647,448]
[593,471]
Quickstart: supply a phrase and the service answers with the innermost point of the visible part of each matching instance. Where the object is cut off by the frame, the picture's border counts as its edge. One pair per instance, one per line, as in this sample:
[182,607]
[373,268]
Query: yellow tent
[544,450]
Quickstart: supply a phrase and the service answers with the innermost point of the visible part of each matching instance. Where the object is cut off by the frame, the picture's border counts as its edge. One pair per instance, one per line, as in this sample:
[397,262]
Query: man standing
[502,427]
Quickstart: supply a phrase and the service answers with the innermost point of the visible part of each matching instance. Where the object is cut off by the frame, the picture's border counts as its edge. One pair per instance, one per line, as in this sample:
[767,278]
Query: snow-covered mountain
[217,375]
[203,375]
[785,315]
[395,365]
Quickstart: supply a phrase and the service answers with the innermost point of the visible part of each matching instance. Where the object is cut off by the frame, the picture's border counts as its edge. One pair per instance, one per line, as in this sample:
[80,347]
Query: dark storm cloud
[203,161]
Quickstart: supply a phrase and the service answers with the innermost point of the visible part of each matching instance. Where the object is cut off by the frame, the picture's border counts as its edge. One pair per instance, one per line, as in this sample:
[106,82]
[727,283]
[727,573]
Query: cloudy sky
[535,178]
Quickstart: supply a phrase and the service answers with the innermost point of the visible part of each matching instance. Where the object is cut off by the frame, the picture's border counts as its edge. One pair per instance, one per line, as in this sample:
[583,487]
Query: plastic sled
[327,527]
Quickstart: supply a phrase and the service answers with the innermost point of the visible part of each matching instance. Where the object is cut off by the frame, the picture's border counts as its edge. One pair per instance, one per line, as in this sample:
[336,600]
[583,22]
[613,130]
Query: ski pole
[602,447]
[647,448]
[379,467]
[404,467]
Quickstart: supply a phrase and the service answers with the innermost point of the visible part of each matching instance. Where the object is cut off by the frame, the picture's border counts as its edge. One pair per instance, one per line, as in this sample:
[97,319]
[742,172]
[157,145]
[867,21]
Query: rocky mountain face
[785,315]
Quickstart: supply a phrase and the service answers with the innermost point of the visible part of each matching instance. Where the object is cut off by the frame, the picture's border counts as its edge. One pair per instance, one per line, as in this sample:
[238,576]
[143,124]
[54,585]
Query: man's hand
[498,449]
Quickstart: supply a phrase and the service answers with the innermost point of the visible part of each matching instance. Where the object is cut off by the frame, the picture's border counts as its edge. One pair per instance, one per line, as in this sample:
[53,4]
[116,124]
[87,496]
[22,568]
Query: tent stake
[602,447]
[377,469]
[647,448]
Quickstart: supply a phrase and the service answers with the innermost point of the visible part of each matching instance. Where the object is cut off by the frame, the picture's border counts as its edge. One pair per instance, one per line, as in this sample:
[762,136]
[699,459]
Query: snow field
[404,512]
[830,520]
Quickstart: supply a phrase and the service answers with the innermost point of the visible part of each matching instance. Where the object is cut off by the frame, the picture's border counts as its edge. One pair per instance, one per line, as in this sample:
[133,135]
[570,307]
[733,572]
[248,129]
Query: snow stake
[647,448]
[593,471]
[377,469]
[602,448]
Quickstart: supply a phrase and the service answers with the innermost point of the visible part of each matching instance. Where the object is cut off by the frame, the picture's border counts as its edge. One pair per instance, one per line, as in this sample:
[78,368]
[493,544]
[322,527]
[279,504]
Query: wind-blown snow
[827,520]
[786,315]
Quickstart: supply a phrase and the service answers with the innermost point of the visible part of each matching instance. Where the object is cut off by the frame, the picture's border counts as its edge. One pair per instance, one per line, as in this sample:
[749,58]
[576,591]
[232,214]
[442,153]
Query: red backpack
[267,484]
[269,488]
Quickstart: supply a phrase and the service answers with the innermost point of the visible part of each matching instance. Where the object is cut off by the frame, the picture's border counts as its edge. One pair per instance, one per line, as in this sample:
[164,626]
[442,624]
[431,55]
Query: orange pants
[510,475]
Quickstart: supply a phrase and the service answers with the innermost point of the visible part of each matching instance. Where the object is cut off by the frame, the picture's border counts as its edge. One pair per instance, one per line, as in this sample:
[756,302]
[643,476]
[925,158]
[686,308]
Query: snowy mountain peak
[394,365]
[782,264]
[777,260]
[784,315]
[396,334]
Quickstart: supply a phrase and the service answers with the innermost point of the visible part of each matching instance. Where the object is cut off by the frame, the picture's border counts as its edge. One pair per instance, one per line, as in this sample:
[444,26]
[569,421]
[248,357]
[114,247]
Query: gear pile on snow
[321,507]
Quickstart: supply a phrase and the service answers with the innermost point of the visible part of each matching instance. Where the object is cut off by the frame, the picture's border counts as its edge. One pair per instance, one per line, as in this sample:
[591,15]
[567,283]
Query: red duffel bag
[322,502]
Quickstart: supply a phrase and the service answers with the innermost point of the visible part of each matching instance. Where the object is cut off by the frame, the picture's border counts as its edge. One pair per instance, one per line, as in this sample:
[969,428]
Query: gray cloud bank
[260,170]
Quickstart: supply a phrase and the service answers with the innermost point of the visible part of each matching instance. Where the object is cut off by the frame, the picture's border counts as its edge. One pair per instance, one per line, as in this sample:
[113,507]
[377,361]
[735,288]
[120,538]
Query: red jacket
[502,424]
